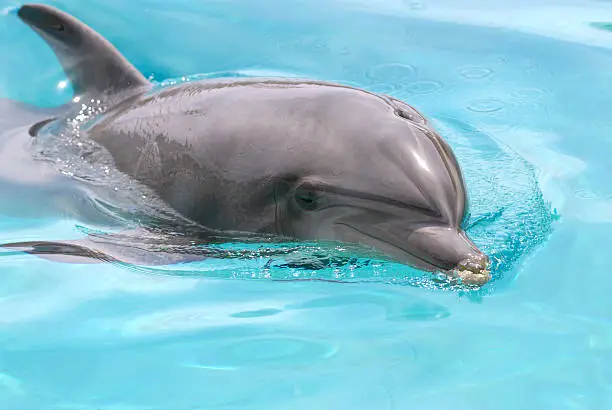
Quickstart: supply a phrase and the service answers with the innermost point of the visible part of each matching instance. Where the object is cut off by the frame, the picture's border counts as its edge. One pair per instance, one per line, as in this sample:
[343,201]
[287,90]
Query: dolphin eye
[307,197]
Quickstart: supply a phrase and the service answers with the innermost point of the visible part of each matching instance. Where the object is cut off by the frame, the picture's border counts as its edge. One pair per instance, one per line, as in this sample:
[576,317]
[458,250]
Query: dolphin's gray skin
[294,158]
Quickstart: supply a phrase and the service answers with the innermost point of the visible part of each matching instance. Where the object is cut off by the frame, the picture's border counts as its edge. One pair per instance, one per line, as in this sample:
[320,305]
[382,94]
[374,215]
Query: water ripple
[391,72]
[473,73]
[423,87]
[398,307]
[486,105]
[382,88]
[529,93]
[263,351]
[256,313]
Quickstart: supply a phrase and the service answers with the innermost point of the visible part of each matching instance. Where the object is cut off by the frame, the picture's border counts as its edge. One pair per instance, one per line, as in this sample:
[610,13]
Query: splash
[508,215]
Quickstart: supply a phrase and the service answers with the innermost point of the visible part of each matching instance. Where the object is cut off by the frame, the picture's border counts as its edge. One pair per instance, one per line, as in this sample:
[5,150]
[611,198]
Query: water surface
[521,93]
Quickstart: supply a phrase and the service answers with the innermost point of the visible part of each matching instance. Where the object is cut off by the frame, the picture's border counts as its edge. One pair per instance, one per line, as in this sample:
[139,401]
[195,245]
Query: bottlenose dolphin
[294,158]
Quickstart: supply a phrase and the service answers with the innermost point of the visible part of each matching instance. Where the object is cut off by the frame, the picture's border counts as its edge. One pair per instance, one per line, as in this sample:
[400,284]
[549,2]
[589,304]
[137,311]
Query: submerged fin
[126,247]
[66,252]
[141,246]
[93,65]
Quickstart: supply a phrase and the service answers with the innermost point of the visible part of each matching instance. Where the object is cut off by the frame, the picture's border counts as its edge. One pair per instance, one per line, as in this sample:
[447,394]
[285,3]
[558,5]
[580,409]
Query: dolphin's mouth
[402,250]
[470,271]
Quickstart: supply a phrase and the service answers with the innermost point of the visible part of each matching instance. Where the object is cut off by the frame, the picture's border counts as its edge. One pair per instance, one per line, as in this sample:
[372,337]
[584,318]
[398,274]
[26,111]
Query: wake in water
[508,215]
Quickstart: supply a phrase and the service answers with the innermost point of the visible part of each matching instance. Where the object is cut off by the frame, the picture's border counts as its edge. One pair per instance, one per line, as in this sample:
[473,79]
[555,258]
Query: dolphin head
[396,187]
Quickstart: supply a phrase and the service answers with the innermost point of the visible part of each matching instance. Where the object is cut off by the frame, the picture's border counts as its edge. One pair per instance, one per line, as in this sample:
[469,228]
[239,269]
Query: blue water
[522,93]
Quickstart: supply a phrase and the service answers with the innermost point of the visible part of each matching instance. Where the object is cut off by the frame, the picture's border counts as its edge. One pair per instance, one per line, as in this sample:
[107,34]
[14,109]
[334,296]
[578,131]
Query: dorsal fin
[92,64]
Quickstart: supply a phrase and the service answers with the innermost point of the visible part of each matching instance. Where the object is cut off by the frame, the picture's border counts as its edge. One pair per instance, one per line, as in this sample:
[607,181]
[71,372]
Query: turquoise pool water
[522,92]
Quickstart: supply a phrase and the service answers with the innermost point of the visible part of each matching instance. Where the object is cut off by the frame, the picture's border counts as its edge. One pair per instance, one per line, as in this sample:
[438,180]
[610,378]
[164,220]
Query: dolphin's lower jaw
[454,254]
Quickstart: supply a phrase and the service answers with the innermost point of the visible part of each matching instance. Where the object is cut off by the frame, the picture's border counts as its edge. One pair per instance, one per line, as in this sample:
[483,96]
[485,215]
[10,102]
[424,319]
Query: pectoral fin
[123,247]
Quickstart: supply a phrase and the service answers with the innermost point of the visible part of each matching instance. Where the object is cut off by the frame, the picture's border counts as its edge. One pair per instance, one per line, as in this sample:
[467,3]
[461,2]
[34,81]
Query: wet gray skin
[295,158]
